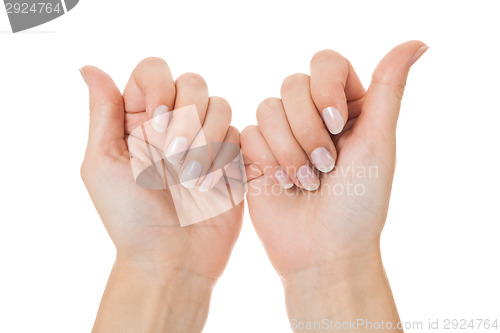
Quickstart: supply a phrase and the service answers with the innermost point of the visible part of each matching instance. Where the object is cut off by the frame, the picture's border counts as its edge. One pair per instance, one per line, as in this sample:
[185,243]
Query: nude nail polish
[418,54]
[207,183]
[161,119]
[283,178]
[308,178]
[322,159]
[333,120]
[82,72]
[177,149]
[191,174]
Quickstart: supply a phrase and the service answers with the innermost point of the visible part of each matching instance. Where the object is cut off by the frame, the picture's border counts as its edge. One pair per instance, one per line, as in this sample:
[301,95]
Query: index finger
[150,88]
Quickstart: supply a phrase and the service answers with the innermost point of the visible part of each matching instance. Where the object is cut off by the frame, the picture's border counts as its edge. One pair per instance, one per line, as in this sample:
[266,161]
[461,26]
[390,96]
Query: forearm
[353,296]
[144,298]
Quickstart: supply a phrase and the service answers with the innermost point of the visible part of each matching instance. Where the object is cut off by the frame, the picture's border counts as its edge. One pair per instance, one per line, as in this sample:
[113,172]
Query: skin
[325,245]
[163,274]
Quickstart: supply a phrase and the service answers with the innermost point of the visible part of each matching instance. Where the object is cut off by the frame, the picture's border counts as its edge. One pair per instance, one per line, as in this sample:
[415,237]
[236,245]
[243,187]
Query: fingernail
[322,159]
[418,54]
[308,178]
[191,174]
[177,149]
[82,72]
[283,178]
[161,118]
[207,182]
[333,120]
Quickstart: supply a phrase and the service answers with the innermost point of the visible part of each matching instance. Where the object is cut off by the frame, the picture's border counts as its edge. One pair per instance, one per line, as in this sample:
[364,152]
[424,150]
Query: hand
[324,240]
[143,223]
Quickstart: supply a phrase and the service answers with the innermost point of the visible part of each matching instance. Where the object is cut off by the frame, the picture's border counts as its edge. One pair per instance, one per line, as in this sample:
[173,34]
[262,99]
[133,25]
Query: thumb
[383,98]
[106,132]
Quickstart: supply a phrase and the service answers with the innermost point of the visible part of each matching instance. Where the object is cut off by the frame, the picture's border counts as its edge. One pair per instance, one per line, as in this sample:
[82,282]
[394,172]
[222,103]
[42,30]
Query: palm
[344,213]
[143,223]
[342,219]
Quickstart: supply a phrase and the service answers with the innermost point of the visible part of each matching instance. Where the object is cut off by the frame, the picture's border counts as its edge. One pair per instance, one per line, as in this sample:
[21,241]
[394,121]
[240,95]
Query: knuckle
[295,80]
[308,134]
[192,80]
[267,107]
[247,131]
[397,89]
[324,95]
[220,102]
[170,86]
[328,55]
[111,103]
[269,104]
[290,156]
[247,134]
[152,61]
[222,107]
[233,132]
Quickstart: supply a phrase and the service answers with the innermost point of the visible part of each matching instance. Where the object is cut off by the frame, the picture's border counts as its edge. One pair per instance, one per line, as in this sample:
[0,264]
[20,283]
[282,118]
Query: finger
[334,84]
[106,132]
[151,89]
[259,159]
[383,98]
[274,126]
[188,117]
[199,159]
[306,124]
[227,163]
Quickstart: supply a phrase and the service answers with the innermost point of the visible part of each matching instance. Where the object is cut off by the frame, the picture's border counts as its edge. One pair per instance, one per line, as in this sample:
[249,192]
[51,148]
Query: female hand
[171,269]
[320,166]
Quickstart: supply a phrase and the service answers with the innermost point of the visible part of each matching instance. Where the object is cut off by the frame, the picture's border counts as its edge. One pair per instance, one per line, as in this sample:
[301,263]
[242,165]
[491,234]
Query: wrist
[336,270]
[179,298]
[340,292]
[143,297]
[164,273]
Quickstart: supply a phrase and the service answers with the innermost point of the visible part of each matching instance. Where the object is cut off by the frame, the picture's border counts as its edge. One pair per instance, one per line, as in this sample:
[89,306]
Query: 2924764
[470,324]
[33,8]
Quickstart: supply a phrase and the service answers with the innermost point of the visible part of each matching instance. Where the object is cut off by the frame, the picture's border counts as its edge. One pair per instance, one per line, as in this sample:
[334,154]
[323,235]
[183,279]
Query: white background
[441,242]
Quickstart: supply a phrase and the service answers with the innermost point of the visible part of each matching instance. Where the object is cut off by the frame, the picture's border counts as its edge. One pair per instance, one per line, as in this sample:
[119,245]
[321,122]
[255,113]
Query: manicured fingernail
[418,54]
[207,182]
[322,159]
[333,120]
[191,174]
[177,149]
[161,118]
[82,72]
[283,178]
[308,178]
